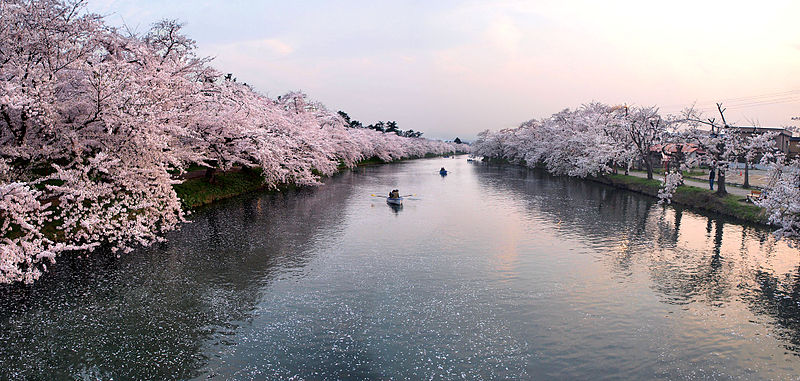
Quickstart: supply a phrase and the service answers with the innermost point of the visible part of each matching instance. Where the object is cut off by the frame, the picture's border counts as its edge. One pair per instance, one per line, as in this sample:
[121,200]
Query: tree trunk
[211,175]
[649,166]
[23,127]
[746,175]
[721,183]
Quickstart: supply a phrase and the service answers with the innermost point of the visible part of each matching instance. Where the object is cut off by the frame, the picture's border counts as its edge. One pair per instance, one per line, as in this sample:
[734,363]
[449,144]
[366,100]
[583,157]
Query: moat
[488,272]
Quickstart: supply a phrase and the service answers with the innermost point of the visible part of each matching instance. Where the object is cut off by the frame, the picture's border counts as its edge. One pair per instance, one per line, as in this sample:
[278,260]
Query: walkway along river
[490,272]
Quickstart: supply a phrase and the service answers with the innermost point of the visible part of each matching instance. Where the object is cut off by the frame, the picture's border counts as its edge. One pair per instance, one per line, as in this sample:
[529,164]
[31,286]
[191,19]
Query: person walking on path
[711,178]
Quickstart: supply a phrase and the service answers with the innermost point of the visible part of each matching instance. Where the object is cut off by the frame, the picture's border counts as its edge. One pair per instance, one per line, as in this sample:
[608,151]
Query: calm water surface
[491,272]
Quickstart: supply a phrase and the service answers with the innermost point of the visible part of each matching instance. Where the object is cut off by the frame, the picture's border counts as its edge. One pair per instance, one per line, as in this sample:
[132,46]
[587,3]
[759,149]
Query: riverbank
[197,191]
[731,205]
[698,198]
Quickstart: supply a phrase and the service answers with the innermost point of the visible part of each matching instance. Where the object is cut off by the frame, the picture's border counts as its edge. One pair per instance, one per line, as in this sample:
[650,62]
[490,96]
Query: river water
[488,272]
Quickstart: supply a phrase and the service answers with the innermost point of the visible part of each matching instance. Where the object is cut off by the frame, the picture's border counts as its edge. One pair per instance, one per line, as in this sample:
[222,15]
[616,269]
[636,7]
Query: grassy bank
[198,192]
[694,197]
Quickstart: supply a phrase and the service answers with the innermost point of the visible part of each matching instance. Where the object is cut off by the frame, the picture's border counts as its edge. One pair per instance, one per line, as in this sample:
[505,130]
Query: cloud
[277,46]
[504,33]
[263,48]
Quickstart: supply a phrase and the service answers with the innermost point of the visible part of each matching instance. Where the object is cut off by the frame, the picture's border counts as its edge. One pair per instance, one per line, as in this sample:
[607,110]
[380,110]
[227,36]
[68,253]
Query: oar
[408,195]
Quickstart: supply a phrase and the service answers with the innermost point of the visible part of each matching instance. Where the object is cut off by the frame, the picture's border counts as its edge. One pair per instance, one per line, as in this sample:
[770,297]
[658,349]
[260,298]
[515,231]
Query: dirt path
[698,183]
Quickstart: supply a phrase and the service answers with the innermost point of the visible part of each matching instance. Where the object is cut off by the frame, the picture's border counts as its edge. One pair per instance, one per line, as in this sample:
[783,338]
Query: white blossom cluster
[671,182]
[782,199]
[588,141]
[95,126]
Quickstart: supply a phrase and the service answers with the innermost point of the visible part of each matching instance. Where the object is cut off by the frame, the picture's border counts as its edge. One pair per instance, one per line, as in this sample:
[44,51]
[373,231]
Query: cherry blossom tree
[644,128]
[588,141]
[757,146]
[781,199]
[720,143]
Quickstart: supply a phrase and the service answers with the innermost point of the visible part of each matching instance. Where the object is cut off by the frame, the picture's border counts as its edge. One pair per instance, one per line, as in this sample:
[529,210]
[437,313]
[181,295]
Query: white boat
[394,200]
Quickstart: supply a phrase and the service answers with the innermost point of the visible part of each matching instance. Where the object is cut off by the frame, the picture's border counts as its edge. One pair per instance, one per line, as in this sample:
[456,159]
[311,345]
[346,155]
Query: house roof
[686,148]
[759,127]
[782,130]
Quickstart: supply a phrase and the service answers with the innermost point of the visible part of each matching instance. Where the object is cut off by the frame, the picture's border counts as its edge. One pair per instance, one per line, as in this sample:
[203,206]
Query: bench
[754,195]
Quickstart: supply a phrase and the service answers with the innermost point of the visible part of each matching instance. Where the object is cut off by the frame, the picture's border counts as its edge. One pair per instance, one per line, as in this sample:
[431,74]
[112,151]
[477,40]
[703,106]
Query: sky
[455,68]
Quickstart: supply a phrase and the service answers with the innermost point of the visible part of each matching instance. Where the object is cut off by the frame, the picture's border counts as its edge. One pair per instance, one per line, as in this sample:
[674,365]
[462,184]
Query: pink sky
[454,68]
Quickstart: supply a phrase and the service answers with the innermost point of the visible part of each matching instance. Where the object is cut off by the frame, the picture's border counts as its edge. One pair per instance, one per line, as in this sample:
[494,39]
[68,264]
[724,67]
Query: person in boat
[442,170]
[394,194]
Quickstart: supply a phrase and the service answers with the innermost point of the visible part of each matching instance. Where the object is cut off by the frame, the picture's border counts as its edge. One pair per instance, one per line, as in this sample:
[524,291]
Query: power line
[793,99]
[770,95]
[745,101]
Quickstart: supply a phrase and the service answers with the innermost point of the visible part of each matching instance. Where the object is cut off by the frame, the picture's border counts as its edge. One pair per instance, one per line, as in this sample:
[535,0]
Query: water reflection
[777,297]
[690,258]
[158,313]
[395,208]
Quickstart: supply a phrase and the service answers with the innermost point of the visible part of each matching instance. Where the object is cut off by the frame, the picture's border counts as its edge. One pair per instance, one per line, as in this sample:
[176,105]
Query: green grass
[694,173]
[729,205]
[198,192]
[371,161]
[699,198]
[637,184]
[660,171]
[744,210]
[634,180]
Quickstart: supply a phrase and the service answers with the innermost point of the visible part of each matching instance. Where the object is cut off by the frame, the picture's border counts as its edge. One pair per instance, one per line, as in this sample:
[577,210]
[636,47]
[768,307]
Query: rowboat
[394,200]
[443,172]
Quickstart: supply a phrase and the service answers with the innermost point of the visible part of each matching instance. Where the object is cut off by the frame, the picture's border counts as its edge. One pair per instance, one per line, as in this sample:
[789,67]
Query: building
[794,146]
[662,155]
[782,140]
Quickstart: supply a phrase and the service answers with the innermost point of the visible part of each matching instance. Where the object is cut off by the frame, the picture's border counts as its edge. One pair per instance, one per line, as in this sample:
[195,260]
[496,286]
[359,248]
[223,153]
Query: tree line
[97,124]
[597,139]
[388,126]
